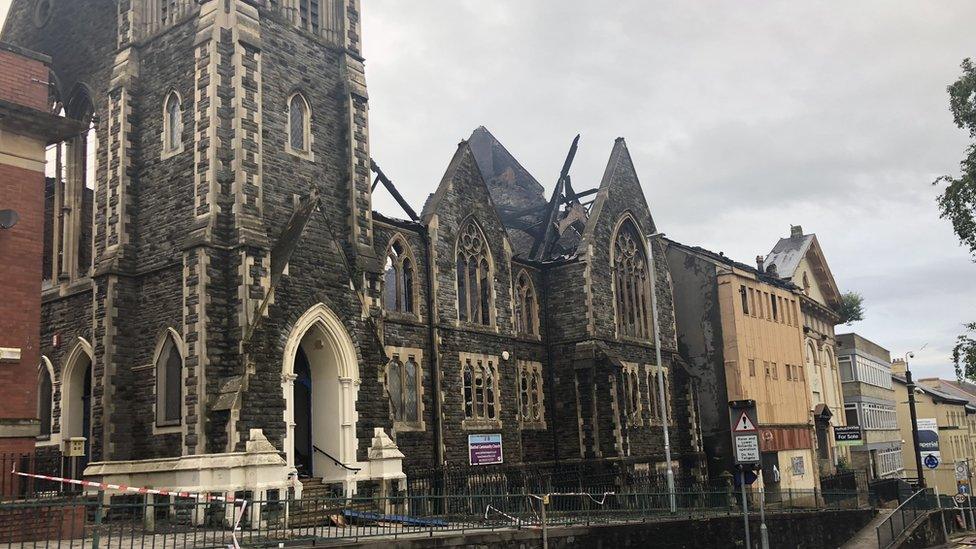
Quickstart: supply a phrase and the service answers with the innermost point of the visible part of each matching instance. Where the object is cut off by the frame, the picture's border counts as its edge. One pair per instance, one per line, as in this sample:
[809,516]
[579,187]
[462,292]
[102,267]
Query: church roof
[518,196]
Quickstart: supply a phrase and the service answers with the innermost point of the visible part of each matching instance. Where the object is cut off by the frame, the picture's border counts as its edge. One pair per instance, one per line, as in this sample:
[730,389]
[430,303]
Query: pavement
[868,536]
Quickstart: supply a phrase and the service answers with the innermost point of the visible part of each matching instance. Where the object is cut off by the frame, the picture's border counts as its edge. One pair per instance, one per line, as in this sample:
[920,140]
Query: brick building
[244,309]
[26,128]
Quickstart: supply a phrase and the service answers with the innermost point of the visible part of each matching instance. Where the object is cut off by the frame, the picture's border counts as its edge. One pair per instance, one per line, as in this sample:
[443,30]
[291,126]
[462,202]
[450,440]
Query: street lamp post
[660,372]
[910,385]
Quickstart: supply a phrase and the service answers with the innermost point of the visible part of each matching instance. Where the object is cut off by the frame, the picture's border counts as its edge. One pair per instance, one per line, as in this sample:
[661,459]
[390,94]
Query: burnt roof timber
[381,177]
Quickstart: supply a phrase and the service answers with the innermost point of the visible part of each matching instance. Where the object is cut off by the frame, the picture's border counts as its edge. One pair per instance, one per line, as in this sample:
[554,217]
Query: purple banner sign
[485,449]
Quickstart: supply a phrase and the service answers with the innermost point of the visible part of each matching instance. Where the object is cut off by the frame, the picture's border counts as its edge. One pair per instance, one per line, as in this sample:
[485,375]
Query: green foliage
[843,465]
[958,202]
[964,354]
[851,308]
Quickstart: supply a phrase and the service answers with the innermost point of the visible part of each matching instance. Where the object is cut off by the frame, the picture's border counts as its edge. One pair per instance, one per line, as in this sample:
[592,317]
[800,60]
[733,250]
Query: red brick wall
[23,80]
[20,307]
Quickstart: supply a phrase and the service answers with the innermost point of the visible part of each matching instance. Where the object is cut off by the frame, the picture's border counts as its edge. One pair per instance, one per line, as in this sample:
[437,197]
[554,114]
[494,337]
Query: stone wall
[815,530]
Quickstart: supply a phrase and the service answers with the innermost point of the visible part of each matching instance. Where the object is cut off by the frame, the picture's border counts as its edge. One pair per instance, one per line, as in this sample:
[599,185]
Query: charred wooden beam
[381,177]
[541,245]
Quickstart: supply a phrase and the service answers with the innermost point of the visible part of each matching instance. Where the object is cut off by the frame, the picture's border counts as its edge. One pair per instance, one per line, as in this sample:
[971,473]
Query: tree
[964,354]
[851,308]
[957,203]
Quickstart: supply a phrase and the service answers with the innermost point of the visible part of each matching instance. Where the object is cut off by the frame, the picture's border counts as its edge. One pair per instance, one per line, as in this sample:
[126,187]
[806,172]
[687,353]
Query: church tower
[211,122]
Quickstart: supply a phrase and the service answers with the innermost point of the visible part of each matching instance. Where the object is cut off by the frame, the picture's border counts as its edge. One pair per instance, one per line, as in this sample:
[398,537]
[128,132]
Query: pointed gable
[463,197]
[800,259]
[620,191]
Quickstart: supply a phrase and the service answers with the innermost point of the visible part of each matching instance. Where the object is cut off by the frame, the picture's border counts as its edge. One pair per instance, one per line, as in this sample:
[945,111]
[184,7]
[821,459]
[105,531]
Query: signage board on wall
[485,449]
[848,436]
[928,442]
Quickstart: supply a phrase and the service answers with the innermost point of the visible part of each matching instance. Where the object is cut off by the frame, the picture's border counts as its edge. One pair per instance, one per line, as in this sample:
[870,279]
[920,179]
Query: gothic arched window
[169,384]
[526,306]
[403,387]
[474,276]
[44,399]
[299,125]
[631,283]
[399,286]
[172,123]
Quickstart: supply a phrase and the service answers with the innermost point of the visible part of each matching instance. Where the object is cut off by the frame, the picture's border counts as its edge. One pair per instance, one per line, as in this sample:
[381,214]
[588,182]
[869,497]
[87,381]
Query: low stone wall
[814,530]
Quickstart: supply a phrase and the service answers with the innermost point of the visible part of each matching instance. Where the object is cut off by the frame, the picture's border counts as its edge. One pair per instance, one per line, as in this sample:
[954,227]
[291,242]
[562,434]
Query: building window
[169,384]
[308,11]
[654,392]
[526,306]
[774,370]
[479,377]
[474,276]
[531,396]
[403,387]
[789,372]
[172,124]
[633,406]
[775,308]
[752,367]
[399,288]
[299,126]
[45,395]
[631,283]
[745,299]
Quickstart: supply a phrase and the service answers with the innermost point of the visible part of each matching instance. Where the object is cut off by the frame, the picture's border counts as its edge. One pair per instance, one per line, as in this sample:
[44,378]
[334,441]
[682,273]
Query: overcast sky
[742,118]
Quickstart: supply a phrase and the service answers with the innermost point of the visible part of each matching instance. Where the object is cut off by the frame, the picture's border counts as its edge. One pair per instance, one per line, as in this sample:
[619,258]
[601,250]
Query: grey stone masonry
[196,247]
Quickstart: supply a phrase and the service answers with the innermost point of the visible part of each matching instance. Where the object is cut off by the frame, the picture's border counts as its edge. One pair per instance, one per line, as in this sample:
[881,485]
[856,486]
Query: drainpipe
[435,361]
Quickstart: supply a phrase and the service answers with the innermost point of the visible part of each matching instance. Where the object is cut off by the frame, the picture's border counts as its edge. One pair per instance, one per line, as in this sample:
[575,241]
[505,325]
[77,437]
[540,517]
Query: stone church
[223,309]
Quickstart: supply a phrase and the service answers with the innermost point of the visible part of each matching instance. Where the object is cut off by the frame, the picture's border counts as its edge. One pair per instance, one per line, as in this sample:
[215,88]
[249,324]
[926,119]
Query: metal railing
[920,504]
[142,521]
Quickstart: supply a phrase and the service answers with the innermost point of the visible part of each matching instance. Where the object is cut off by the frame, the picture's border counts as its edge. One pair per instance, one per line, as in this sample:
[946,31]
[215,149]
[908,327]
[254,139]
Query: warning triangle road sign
[744,424]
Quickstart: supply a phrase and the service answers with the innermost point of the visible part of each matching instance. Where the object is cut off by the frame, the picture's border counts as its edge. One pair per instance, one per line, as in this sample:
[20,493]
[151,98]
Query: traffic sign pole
[745,504]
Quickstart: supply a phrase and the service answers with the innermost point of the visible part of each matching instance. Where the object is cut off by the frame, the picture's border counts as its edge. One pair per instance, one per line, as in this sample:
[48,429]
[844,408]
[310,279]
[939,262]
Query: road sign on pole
[745,433]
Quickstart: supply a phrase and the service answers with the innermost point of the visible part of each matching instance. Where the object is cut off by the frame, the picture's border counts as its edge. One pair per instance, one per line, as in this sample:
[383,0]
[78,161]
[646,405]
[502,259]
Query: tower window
[299,126]
[169,384]
[172,124]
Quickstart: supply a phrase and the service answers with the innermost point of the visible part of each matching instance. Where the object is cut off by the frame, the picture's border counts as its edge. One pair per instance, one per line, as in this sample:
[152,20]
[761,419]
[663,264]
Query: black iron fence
[918,505]
[14,487]
[99,521]
[546,478]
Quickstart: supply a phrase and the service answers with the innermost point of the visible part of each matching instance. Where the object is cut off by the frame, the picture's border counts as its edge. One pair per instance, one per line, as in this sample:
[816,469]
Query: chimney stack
[796,231]
[759,263]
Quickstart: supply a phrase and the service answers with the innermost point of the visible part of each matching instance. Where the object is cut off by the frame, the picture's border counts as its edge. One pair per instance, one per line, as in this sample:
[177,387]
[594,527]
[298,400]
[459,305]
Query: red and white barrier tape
[151,491]
[131,489]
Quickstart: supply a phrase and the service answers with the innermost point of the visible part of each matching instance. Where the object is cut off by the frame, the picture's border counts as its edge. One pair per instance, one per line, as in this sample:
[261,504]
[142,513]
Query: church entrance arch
[320,382]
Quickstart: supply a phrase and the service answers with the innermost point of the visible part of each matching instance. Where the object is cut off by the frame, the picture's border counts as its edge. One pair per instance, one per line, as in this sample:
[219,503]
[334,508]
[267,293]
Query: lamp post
[910,385]
[660,372]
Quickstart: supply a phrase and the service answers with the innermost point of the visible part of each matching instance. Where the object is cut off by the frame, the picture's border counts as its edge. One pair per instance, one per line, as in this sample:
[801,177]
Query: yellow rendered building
[742,330]
[956,425]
